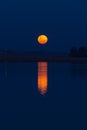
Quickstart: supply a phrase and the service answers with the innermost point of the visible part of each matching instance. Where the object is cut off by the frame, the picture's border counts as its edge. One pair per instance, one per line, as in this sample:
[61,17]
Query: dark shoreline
[43,59]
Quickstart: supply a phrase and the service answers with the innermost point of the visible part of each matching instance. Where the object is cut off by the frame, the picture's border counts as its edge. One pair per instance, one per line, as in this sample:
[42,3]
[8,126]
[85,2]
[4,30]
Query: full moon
[42,39]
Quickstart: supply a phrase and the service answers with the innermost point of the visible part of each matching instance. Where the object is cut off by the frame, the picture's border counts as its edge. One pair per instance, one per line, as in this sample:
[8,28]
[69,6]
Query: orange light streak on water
[42,77]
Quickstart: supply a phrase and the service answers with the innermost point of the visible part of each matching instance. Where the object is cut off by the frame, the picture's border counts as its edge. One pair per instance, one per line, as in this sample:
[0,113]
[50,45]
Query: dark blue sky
[63,21]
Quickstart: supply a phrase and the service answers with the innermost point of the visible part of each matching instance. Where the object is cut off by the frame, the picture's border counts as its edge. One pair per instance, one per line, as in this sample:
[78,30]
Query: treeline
[80,52]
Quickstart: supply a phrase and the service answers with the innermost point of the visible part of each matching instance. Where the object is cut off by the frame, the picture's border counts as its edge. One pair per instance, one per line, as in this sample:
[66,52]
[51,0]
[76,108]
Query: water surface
[46,94]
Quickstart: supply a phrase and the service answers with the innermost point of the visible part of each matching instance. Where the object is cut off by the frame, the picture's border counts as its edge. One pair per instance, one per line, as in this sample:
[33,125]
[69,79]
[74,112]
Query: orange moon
[42,39]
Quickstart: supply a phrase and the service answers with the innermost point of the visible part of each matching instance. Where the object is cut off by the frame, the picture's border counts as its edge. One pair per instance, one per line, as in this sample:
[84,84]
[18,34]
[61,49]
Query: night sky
[63,21]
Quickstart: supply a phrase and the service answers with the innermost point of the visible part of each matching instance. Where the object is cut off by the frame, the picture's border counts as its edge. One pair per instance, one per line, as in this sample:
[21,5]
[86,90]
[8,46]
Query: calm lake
[43,95]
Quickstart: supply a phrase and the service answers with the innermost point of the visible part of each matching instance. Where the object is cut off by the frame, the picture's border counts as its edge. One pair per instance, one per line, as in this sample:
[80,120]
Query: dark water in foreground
[43,96]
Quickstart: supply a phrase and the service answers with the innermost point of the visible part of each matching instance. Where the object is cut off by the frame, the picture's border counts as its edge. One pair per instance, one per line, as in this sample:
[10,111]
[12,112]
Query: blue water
[62,106]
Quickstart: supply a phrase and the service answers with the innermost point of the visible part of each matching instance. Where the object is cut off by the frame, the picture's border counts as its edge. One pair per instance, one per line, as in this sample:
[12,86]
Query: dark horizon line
[43,59]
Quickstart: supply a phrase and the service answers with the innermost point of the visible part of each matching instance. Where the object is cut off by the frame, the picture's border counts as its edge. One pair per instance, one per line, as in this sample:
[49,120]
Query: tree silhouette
[82,52]
[73,52]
